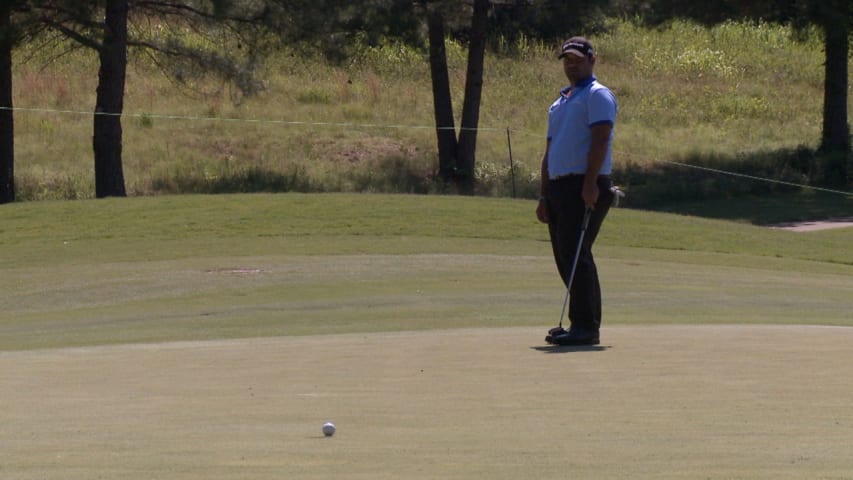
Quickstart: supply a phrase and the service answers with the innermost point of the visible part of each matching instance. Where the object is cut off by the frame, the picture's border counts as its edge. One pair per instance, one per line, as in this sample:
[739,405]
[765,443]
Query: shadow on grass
[659,186]
[740,194]
[771,209]
[551,349]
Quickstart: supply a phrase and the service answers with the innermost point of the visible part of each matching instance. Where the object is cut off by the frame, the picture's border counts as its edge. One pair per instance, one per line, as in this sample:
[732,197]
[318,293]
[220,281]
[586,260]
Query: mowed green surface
[652,402]
[211,337]
[199,267]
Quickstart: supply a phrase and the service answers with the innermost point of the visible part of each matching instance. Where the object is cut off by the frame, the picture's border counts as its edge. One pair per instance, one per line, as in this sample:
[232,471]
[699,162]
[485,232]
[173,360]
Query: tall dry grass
[367,125]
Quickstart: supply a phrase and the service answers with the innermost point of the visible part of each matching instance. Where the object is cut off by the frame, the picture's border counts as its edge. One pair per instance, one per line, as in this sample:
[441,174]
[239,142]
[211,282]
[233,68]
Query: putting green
[651,402]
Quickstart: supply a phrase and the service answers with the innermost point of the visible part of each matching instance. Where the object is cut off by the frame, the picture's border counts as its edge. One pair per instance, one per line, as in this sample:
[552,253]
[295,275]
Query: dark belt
[574,175]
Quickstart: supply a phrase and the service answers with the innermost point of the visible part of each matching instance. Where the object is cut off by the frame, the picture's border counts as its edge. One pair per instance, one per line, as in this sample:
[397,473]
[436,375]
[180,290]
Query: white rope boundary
[377,125]
[240,120]
[752,177]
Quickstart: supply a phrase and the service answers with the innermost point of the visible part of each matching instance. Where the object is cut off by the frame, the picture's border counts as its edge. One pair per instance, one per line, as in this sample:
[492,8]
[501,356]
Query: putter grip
[586,214]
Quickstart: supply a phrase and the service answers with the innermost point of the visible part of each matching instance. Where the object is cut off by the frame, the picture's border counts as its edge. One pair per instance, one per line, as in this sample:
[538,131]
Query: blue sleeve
[602,107]
[549,133]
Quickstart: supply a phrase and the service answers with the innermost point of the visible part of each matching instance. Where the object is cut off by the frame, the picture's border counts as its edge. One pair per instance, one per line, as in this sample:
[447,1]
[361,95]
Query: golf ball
[328,429]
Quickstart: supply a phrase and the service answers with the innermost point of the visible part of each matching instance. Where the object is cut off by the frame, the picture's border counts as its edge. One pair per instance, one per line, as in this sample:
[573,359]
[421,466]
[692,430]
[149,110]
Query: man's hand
[542,212]
[590,192]
[595,159]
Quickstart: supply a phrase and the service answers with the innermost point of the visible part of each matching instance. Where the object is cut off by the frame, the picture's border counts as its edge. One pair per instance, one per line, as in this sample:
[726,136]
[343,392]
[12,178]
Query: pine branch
[73,34]
[182,9]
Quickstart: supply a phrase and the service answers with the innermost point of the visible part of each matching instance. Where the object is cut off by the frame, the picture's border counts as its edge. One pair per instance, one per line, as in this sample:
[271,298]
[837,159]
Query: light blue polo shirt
[570,119]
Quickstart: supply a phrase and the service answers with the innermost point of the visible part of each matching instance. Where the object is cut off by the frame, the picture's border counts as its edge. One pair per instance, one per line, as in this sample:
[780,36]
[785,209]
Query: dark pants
[566,210]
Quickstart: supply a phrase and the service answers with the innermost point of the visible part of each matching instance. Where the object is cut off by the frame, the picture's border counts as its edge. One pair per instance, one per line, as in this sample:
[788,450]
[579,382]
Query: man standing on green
[576,171]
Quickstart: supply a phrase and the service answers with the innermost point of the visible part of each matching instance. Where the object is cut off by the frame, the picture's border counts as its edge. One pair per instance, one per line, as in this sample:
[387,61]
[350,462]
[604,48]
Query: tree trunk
[836,131]
[106,141]
[7,130]
[465,157]
[445,126]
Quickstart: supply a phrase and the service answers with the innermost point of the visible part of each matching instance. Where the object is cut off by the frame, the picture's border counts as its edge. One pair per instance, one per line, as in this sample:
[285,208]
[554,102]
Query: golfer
[575,176]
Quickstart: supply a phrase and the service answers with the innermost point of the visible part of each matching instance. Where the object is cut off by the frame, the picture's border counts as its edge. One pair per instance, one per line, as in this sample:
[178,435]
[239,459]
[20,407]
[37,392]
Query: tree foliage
[546,20]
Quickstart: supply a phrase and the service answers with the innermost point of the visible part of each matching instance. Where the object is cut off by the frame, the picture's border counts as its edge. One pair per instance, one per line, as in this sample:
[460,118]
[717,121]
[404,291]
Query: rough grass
[30,229]
[733,91]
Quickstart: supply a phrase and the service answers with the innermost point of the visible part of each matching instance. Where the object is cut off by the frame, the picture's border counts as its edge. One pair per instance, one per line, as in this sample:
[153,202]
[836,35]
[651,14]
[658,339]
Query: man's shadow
[571,348]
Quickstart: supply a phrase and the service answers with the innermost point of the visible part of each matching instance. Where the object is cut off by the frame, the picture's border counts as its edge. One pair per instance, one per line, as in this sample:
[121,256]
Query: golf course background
[739,97]
[200,336]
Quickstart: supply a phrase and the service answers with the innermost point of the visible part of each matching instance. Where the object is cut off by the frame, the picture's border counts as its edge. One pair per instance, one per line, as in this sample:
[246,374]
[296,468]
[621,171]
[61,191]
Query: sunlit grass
[683,90]
[190,267]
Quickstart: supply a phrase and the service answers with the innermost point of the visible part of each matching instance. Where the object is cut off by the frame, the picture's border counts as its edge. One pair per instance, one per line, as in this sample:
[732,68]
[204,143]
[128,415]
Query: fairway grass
[236,297]
[651,402]
[201,267]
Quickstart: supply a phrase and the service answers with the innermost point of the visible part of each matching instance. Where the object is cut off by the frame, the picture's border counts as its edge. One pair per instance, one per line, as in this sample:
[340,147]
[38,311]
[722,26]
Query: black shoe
[555,332]
[575,337]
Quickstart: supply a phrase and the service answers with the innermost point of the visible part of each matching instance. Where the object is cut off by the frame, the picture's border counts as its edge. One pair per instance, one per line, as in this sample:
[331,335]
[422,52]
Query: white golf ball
[328,429]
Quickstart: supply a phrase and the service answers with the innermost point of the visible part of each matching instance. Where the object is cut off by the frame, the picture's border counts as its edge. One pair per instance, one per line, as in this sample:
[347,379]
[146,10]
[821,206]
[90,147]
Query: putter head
[617,195]
[554,333]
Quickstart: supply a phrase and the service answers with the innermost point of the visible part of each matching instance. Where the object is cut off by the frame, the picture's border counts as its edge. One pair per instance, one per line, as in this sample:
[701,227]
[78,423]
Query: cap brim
[573,52]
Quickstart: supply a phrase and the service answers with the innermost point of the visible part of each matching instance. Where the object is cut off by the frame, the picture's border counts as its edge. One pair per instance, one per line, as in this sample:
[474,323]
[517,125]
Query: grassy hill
[732,95]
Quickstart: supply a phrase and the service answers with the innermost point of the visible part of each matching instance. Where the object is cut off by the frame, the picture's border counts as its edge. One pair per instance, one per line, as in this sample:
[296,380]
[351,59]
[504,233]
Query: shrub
[652,185]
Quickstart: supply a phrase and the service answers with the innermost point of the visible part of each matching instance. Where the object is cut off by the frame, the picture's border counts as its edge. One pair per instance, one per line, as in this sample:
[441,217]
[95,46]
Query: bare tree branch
[73,34]
[67,51]
[154,47]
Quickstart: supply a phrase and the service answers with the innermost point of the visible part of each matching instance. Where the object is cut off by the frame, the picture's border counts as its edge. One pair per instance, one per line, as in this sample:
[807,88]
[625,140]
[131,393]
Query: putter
[618,194]
[559,330]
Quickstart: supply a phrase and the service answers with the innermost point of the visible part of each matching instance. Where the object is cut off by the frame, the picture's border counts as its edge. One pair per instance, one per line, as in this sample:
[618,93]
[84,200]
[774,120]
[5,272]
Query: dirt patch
[815,225]
[373,148]
[236,271]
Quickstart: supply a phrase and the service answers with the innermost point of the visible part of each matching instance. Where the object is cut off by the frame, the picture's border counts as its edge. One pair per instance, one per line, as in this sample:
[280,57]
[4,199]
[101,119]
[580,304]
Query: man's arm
[595,159]
[542,207]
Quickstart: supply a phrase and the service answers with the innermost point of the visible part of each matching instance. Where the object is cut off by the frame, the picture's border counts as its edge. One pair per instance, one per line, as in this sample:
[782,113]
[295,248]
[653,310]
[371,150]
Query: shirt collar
[583,83]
